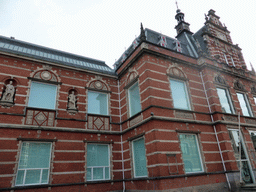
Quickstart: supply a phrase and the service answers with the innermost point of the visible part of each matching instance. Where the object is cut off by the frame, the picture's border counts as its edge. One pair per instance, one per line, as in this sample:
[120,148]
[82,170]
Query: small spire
[142,33]
[252,68]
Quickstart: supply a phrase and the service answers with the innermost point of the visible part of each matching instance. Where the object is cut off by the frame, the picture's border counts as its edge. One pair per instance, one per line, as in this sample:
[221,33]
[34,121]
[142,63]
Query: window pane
[45,176]
[97,103]
[97,155]
[35,155]
[139,158]
[243,104]
[42,95]
[89,175]
[32,176]
[107,173]
[179,95]
[20,176]
[224,101]
[97,173]
[134,99]
[190,153]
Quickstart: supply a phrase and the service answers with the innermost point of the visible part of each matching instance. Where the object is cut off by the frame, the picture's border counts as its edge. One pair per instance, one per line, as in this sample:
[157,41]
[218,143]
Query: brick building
[165,118]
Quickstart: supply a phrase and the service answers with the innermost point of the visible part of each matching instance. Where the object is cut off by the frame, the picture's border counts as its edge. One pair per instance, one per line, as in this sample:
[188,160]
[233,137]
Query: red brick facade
[158,122]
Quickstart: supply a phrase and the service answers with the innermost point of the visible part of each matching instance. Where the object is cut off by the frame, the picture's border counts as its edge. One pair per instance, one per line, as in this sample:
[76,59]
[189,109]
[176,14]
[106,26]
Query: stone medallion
[46,75]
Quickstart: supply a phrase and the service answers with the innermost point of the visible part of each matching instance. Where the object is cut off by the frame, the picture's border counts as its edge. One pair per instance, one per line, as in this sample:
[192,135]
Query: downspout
[222,160]
[121,129]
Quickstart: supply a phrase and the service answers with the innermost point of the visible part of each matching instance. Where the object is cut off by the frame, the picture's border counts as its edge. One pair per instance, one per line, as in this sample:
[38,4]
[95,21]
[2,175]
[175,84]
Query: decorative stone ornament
[219,79]
[45,75]
[97,84]
[239,86]
[175,71]
[253,90]
[7,99]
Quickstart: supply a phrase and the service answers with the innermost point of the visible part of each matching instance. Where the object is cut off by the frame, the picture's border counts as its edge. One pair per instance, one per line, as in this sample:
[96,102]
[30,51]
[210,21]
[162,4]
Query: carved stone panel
[250,121]
[136,120]
[40,117]
[230,118]
[98,123]
[183,115]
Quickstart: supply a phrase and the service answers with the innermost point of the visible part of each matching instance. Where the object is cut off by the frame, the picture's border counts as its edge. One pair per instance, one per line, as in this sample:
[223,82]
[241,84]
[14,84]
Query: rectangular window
[139,158]
[225,101]
[191,153]
[225,57]
[42,95]
[98,162]
[134,99]
[244,104]
[179,94]
[34,164]
[97,103]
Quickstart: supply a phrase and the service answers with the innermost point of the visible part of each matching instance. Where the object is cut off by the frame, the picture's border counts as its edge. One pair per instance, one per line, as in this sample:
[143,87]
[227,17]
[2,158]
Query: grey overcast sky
[102,29]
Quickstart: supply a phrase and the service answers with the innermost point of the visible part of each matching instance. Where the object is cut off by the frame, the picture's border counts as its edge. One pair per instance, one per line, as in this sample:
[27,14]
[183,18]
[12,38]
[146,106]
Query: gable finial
[142,33]
[177,4]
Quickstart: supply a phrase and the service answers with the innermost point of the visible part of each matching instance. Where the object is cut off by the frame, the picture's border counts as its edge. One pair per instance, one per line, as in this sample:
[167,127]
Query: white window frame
[107,102]
[133,158]
[129,98]
[56,93]
[199,153]
[225,57]
[186,93]
[232,60]
[25,169]
[247,104]
[104,167]
[228,98]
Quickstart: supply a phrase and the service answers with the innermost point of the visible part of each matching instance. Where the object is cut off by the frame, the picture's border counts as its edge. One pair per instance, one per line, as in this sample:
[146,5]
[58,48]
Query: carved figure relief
[131,76]
[8,93]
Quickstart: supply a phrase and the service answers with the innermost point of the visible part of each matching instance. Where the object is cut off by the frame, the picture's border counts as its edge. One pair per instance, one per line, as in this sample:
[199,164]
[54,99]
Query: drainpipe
[121,129]
[222,160]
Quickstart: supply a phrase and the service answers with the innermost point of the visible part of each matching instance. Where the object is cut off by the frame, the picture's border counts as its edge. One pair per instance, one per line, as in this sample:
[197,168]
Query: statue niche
[8,93]
[72,101]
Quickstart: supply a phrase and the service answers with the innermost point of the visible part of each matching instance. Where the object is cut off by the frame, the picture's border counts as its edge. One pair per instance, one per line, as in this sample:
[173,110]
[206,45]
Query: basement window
[34,164]
[98,162]
[191,153]
[139,158]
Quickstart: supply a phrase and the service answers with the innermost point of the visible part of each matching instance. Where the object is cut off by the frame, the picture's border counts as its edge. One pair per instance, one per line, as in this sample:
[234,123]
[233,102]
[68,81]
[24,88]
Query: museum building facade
[175,114]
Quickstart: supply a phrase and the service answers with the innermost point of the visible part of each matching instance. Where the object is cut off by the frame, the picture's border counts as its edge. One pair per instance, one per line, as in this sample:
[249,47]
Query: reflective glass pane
[134,99]
[190,153]
[97,155]
[97,103]
[35,155]
[6,45]
[42,95]
[107,173]
[45,176]
[139,158]
[1,44]
[97,173]
[33,176]
[243,104]
[20,176]
[179,95]
[224,101]
[89,175]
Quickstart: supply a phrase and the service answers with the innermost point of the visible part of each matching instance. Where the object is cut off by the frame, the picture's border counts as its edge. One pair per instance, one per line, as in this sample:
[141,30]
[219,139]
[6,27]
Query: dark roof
[186,40]
[22,48]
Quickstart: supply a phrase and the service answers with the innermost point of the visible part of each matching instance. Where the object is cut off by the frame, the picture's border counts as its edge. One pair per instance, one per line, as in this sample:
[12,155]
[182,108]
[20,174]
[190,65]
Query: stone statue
[72,101]
[9,93]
